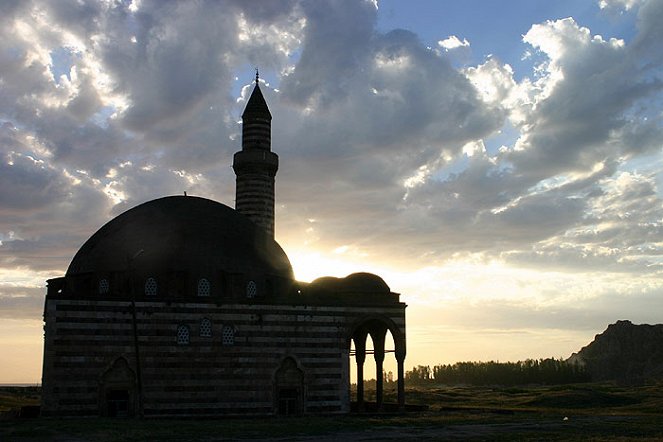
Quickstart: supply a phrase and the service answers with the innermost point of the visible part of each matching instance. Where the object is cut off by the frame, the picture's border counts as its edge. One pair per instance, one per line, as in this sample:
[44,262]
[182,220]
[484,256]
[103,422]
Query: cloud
[619,4]
[21,302]
[330,58]
[453,42]
[573,122]
[387,148]
[134,101]
[577,126]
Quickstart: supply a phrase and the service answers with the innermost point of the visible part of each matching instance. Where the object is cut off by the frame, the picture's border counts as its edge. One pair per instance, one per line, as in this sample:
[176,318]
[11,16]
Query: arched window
[104,286]
[150,287]
[183,335]
[203,287]
[251,289]
[205,328]
[228,335]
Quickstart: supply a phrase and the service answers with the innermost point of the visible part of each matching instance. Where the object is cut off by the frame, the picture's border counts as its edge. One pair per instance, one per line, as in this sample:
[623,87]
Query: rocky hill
[624,352]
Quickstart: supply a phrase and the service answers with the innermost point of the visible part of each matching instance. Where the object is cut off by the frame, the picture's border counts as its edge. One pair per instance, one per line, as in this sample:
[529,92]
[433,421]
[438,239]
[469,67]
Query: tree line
[531,371]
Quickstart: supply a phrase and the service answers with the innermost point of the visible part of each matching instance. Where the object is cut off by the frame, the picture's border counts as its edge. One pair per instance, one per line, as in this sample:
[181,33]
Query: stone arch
[377,327]
[289,388]
[375,322]
[117,390]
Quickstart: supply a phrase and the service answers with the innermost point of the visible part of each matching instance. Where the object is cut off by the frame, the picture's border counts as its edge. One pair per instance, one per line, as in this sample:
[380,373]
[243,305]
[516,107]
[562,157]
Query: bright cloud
[453,42]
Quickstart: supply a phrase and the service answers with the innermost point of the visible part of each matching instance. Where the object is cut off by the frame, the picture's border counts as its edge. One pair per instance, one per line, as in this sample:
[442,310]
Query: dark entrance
[289,389]
[117,403]
[288,401]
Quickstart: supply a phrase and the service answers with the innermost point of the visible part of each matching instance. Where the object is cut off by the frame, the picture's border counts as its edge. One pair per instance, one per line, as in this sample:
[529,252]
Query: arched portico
[377,326]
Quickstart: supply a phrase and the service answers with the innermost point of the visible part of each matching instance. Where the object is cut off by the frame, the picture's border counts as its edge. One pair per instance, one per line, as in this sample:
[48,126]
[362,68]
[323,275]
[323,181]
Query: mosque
[182,306]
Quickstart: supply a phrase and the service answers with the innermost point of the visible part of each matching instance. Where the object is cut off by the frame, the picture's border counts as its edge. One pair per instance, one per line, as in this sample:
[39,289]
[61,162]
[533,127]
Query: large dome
[182,234]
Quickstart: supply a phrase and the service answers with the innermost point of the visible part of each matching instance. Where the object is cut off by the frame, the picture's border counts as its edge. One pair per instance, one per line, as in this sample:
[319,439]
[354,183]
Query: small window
[203,287]
[251,289]
[205,328]
[228,335]
[104,286]
[183,335]
[151,287]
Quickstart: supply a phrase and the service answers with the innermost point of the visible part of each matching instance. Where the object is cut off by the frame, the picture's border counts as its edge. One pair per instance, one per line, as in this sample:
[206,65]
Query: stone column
[401,382]
[399,342]
[378,343]
[360,357]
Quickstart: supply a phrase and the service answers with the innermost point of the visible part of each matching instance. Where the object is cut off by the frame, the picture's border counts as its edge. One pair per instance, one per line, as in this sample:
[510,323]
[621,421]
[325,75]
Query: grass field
[587,412]
[16,397]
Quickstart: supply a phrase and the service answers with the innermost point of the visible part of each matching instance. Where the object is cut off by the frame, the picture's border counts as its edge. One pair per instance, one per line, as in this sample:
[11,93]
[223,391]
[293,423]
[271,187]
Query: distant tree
[531,371]
[419,375]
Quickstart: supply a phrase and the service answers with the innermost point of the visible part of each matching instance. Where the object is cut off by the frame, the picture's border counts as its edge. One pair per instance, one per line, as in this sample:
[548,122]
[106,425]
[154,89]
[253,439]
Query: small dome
[325,284]
[183,234]
[365,282]
[356,282]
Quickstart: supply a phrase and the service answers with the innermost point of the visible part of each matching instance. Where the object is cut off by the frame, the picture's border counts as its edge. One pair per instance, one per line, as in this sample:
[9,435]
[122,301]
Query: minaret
[256,165]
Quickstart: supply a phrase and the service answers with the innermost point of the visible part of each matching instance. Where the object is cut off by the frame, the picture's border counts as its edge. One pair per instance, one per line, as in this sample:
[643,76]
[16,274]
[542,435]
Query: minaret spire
[256,165]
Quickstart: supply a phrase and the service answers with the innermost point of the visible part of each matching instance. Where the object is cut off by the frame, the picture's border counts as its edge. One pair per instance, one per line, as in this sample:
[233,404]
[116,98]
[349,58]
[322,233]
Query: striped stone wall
[84,339]
[257,131]
[254,191]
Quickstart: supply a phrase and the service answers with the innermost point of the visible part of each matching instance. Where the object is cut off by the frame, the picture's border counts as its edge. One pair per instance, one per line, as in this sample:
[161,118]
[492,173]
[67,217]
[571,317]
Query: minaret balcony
[255,161]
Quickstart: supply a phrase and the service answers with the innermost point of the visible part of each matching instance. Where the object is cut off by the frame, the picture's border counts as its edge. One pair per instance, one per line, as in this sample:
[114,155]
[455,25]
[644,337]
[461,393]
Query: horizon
[498,165]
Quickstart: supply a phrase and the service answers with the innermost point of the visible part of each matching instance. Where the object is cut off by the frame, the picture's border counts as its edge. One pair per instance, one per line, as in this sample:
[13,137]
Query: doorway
[117,390]
[117,403]
[289,389]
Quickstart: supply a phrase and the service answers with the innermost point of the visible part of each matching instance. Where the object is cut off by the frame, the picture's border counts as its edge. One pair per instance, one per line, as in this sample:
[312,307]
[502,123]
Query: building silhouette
[183,306]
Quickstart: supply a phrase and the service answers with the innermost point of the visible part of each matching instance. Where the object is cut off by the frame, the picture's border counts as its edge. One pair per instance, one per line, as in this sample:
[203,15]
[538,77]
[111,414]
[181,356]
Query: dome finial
[257,75]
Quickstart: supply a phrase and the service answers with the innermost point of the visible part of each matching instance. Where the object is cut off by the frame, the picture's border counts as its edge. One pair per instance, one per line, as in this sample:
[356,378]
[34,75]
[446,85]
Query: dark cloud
[650,34]
[26,183]
[402,107]
[330,59]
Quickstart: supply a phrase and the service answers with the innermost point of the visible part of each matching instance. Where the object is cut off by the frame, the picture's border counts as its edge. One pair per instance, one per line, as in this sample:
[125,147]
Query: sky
[499,164]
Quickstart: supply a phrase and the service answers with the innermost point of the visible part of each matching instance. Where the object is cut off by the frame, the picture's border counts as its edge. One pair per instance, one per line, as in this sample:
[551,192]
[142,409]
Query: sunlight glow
[309,265]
